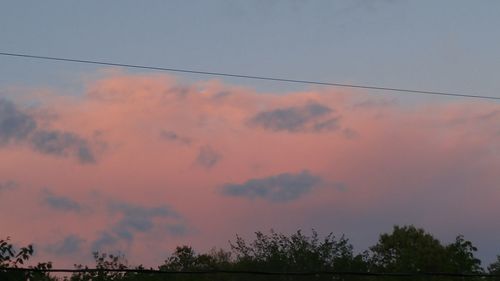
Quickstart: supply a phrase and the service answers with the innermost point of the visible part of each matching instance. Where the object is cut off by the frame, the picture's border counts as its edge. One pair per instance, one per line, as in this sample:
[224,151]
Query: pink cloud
[161,143]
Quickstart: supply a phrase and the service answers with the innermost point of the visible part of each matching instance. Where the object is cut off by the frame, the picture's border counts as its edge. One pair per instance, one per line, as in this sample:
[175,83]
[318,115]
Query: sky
[115,159]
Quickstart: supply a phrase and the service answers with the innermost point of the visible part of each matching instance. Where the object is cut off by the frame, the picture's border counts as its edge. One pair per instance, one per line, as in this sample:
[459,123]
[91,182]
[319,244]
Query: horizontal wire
[250,272]
[276,79]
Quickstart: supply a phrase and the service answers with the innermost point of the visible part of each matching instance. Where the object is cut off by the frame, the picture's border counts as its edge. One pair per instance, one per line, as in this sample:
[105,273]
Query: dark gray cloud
[136,210]
[327,125]
[173,136]
[14,124]
[63,144]
[132,219]
[208,157]
[60,203]
[279,188]
[136,218]
[17,126]
[8,185]
[104,240]
[312,117]
[70,245]
[126,228]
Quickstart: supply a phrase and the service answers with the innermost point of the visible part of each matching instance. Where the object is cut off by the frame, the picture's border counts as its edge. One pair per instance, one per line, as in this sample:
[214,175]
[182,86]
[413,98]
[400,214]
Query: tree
[411,249]
[297,252]
[103,261]
[494,268]
[185,258]
[10,257]
[461,257]
[408,249]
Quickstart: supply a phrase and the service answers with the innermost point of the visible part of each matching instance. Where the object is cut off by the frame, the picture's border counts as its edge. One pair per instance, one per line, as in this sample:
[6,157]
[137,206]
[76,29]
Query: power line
[251,272]
[276,79]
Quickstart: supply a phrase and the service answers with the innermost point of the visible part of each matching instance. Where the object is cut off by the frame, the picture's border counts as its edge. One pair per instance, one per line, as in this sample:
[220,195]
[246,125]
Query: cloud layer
[195,163]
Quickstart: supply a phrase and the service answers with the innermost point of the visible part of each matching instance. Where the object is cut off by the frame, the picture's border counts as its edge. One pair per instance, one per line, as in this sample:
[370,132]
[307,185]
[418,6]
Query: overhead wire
[256,272]
[253,77]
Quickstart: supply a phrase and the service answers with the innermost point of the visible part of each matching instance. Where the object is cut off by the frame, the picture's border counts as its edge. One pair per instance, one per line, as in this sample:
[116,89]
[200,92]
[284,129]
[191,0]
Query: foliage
[405,249]
[461,258]
[185,259]
[104,262]
[10,257]
[494,268]
[411,249]
[297,252]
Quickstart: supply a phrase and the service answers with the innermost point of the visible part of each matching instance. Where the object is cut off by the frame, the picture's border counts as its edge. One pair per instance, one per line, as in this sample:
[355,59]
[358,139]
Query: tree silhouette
[406,249]
[10,257]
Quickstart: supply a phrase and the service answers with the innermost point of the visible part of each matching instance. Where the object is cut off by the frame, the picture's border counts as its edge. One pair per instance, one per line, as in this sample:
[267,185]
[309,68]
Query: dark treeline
[407,249]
